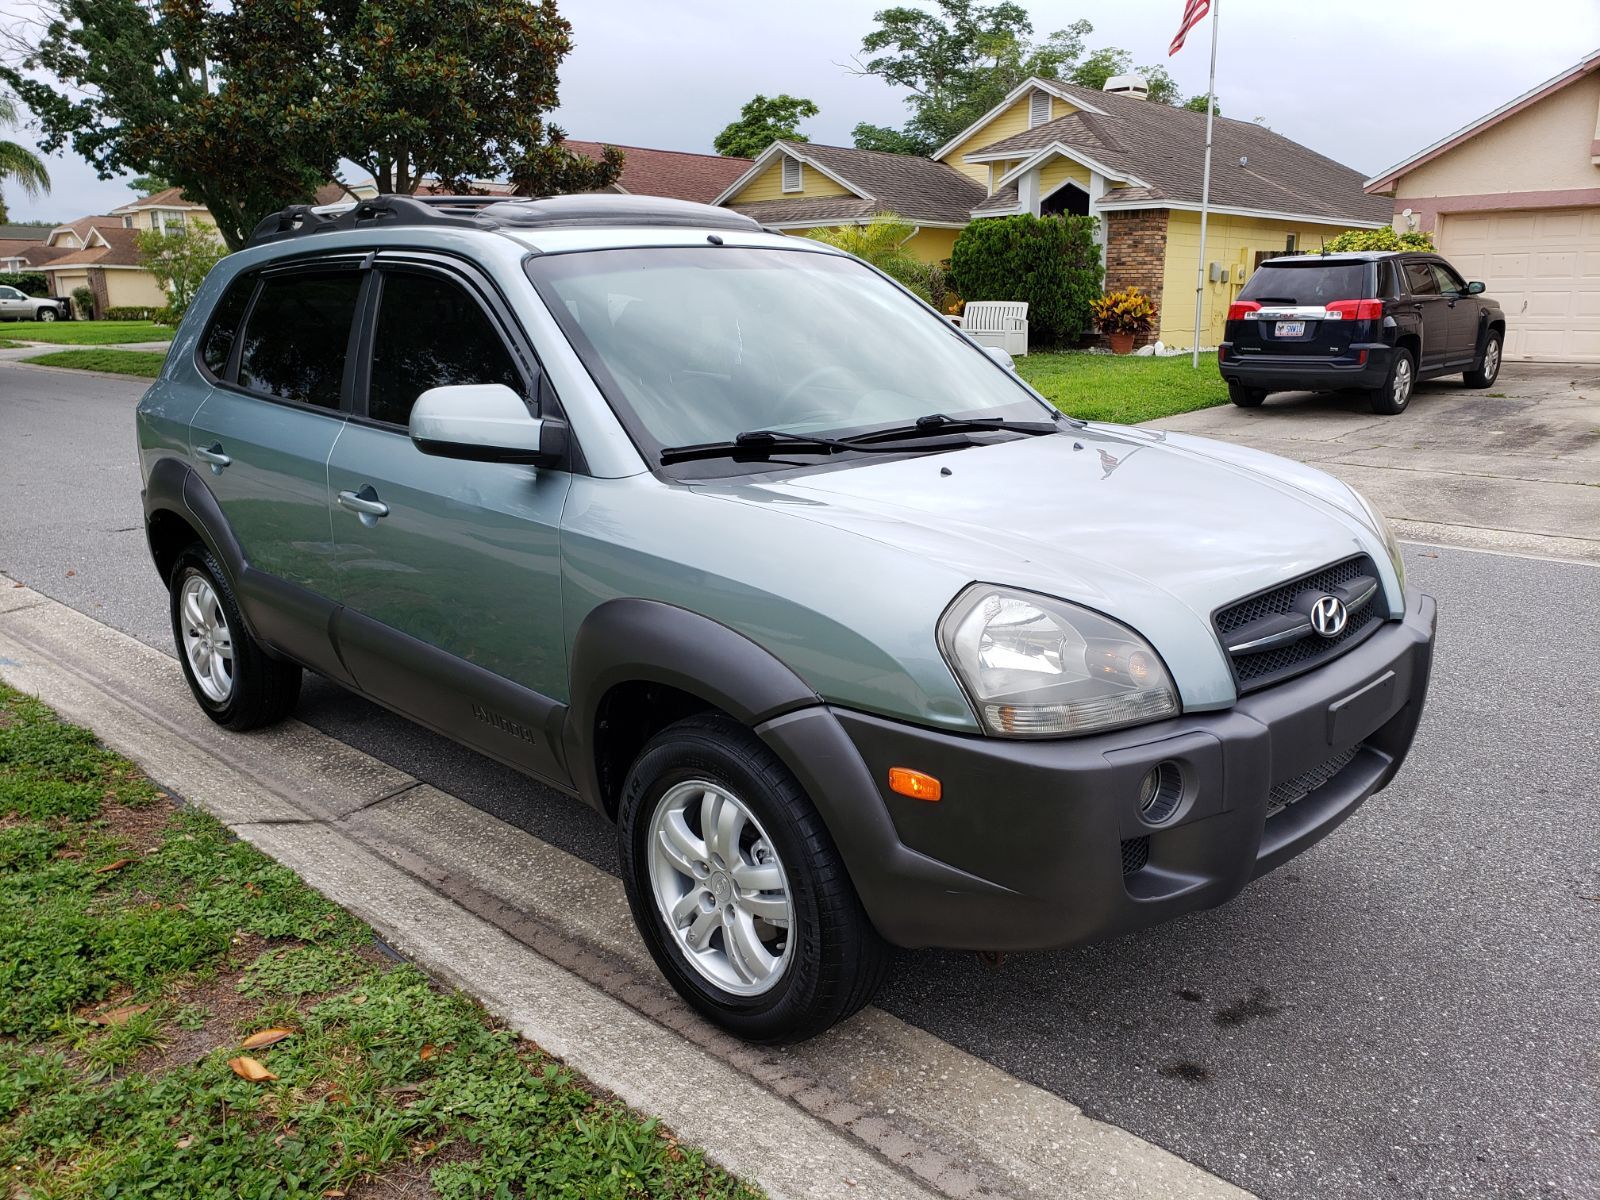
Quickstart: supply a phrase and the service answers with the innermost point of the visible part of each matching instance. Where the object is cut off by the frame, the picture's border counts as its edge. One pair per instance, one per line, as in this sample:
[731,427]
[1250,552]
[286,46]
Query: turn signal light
[916,784]
[1240,309]
[1355,310]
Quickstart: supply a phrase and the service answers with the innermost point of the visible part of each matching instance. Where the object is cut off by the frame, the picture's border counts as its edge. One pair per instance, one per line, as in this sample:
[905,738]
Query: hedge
[161,315]
[32,283]
[1053,263]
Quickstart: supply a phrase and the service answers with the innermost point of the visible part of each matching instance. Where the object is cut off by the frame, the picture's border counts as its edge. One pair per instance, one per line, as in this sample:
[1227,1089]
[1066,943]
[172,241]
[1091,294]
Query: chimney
[1128,85]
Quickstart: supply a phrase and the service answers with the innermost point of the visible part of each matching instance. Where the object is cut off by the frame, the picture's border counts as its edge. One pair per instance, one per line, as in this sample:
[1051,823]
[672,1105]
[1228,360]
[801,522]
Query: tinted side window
[1449,281]
[430,333]
[1388,278]
[298,336]
[1420,280]
[217,345]
[10,293]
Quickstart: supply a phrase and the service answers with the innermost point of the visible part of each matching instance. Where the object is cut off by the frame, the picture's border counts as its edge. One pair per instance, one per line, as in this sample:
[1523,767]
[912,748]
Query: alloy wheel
[720,887]
[207,640]
[1491,360]
[1401,392]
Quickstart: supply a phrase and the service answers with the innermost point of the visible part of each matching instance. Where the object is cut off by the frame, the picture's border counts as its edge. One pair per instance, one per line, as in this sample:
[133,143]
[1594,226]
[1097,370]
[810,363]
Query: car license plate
[1289,329]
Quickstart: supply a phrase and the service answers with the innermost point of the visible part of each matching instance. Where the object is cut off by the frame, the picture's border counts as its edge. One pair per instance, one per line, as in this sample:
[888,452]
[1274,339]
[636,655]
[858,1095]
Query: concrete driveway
[1513,468]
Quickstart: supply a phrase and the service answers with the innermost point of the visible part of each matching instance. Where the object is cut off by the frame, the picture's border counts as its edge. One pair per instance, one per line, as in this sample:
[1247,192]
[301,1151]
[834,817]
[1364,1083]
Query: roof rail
[498,212]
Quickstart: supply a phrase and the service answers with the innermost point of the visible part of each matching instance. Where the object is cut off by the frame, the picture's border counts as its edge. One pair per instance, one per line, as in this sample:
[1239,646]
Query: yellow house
[100,252]
[1051,148]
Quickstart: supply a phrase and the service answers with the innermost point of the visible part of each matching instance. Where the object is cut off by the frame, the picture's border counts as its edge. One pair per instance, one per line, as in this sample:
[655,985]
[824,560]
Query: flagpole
[1205,183]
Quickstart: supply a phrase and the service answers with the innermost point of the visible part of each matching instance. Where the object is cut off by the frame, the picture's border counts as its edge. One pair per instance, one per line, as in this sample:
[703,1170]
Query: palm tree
[18,163]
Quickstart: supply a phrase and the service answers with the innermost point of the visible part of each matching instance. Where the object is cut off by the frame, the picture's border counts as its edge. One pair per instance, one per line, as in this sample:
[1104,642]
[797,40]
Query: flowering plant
[1127,311]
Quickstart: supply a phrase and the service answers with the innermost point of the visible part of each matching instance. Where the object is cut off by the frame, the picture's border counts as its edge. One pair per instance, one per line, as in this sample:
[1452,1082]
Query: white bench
[1002,323]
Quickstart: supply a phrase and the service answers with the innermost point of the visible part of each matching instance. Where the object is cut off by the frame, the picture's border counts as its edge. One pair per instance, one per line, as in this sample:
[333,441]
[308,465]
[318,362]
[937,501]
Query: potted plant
[1122,316]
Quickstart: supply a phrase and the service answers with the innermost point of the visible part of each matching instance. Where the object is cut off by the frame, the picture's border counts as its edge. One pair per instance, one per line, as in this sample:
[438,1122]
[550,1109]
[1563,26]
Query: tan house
[1514,200]
[100,252]
[1051,147]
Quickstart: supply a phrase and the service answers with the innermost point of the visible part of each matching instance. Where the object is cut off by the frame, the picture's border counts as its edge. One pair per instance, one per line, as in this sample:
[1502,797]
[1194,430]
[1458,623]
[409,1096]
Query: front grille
[1277,663]
[1291,791]
[1135,853]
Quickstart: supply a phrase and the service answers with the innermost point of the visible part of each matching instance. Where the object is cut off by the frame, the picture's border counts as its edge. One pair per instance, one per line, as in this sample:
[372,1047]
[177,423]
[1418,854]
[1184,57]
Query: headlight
[1038,667]
[1381,528]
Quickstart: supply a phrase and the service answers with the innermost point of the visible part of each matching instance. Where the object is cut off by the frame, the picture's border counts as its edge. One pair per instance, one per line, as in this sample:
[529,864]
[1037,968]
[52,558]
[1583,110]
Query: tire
[1392,398]
[824,965]
[238,684]
[1488,369]
[47,314]
[1246,397]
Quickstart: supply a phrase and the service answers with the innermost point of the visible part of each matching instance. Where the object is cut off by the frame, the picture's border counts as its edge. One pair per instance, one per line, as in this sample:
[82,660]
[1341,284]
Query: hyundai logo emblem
[1328,616]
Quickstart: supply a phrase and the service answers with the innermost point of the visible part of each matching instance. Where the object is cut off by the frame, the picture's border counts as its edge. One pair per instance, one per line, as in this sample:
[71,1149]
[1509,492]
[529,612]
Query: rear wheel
[737,888]
[233,679]
[1488,368]
[1246,397]
[1392,398]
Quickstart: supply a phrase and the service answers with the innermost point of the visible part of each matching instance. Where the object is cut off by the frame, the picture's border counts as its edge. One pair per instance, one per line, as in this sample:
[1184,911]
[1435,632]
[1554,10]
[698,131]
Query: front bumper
[1303,373]
[1028,846]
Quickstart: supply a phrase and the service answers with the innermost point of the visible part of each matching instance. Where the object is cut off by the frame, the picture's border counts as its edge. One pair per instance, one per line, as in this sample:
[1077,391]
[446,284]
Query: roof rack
[497,212]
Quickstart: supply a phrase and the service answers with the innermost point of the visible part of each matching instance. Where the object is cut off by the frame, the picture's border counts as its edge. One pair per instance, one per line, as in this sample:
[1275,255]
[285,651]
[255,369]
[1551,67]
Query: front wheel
[1392,398]
[238,684]
[737,888]
[47,314]
[1488,368]
[1246,397]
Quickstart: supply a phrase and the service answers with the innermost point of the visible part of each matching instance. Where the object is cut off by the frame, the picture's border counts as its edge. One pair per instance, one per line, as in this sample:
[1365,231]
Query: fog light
[1160,792]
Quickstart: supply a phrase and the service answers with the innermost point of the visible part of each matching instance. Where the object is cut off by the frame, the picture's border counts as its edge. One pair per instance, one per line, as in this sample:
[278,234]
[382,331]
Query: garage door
[1543,266]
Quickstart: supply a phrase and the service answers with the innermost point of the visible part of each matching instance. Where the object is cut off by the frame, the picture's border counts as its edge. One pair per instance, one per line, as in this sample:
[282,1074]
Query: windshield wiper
[763,443]
[937,423]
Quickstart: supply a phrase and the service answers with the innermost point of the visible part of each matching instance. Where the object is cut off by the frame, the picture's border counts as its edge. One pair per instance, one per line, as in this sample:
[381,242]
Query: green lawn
[121,362]
[5,345]
[180,1016]
[86,333]
[1124,389]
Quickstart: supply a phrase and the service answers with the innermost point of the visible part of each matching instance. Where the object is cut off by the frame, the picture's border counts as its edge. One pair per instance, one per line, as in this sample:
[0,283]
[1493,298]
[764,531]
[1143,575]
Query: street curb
[873,1108]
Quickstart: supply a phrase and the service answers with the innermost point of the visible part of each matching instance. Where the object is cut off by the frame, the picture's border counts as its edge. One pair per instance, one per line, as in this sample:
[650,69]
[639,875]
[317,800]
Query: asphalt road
[1409,1009]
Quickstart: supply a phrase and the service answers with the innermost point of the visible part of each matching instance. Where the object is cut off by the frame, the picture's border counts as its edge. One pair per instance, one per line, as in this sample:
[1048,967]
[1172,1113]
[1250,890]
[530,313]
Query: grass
[144,946]
[1123,388]
[9,345]
[87,333]
[145,363]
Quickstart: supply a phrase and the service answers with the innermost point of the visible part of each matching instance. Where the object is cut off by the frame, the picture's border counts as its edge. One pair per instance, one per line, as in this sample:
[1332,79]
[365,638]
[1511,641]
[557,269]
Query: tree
[1198,104]
[179,259]
[1051,262]
[763,121]
[148,185]
[18,164]
[250,106]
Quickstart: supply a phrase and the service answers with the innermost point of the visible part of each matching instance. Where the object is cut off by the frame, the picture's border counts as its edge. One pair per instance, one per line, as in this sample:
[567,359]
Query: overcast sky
[1365,83]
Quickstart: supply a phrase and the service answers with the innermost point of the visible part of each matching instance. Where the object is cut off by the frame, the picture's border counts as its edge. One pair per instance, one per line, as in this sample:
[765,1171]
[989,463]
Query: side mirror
[1475,288]
[1001,356]
[485,422]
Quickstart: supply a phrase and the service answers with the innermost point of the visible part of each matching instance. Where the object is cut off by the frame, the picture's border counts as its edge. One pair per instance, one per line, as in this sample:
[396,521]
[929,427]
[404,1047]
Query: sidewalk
[873,1108]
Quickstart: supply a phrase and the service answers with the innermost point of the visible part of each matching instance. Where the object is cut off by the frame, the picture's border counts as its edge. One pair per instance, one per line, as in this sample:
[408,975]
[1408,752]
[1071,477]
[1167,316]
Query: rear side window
[1312,284]
[430,333]
[224,328]
[1388,278]
[298,336]
[1420,280]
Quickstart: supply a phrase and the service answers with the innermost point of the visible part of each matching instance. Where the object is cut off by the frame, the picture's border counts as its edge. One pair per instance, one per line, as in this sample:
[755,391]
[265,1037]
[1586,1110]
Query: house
[1513,199]
[15,242]
[1051,147]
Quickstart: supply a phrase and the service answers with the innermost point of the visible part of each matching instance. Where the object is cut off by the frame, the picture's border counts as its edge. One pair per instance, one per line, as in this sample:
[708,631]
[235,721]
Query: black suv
[1374,321]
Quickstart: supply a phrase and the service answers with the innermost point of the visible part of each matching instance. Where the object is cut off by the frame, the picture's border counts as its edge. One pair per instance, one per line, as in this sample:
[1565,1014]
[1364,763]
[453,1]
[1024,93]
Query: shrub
[31,283]
[83,301]
[1052,263]
[1377,239]
[161,315]
[881,242]
[1127,311]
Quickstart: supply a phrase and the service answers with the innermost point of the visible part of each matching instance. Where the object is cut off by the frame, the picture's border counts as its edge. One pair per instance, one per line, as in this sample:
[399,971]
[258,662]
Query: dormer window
[793,181]
[1038,108]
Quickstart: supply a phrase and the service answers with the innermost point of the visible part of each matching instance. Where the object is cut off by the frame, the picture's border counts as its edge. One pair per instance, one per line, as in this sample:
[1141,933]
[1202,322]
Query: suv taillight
[1355,310]
[1240,309]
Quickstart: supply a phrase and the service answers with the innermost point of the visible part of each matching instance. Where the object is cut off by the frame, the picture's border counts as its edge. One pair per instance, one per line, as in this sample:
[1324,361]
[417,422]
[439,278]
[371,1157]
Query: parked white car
[19,306]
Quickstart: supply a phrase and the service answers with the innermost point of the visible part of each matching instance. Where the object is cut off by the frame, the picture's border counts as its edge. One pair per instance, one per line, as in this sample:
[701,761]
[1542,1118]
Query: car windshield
[1313,283]
[699,344]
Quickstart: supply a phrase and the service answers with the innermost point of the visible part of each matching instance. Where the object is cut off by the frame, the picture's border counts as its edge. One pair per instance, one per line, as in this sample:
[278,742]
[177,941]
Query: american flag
[1194,11]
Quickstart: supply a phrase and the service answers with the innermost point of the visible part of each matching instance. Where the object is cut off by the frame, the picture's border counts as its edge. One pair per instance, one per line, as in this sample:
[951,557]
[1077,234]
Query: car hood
[1154,529]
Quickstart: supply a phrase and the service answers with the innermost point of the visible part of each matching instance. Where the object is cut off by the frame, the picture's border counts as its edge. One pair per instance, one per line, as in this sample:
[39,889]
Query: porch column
[1097,188]
[1028,191]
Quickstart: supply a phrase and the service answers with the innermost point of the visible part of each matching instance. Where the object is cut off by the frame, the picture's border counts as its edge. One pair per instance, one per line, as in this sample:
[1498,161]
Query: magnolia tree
[180,260]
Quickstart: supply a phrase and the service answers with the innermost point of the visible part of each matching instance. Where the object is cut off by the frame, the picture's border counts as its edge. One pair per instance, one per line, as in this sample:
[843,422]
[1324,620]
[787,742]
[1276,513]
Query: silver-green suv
[859,641]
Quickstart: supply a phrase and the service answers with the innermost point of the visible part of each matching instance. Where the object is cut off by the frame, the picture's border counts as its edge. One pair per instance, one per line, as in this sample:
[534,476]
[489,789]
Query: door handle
[365,504]
[213,454]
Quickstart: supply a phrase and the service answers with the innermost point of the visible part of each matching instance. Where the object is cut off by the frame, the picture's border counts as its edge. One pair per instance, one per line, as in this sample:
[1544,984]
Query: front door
[449,570]
[1422,293]
[278,352]
[1463,310]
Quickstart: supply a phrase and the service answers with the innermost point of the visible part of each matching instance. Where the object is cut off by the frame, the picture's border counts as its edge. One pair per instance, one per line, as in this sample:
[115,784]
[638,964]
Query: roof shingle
[674,173]
[918,189]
